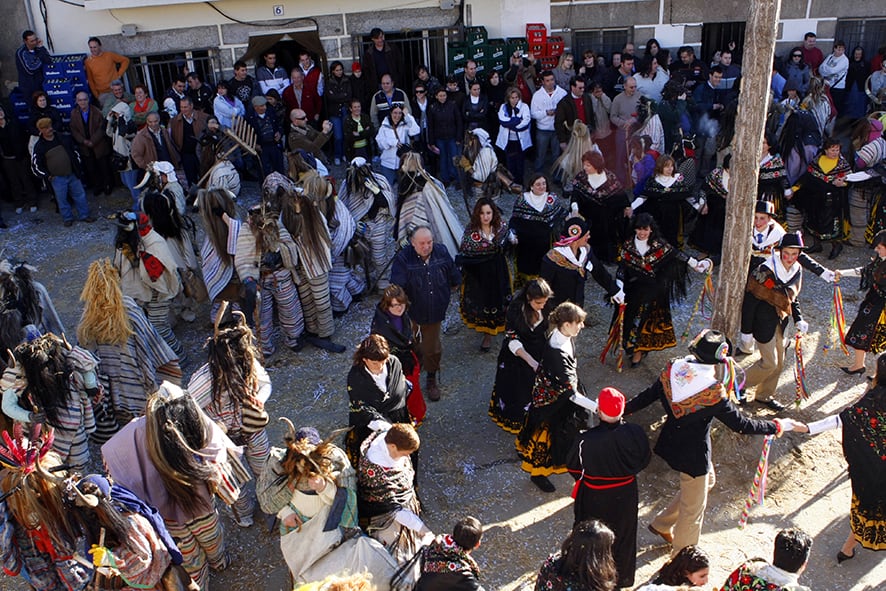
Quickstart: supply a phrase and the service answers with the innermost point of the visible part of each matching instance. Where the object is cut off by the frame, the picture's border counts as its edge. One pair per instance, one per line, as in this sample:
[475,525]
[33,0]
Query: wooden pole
[759,49]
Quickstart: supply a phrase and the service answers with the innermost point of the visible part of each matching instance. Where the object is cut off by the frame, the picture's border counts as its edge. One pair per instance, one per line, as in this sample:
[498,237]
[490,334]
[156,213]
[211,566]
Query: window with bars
[717,36]
[870,34]
[158,71]
[603,41]
[425,47]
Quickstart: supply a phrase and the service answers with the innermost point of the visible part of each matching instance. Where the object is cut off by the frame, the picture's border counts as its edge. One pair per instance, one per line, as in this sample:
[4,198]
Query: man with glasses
[304,137]
[419,106]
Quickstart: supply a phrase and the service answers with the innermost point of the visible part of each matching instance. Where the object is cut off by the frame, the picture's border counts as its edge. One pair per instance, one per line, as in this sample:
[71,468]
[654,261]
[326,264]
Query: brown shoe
[431,389]
[666,536]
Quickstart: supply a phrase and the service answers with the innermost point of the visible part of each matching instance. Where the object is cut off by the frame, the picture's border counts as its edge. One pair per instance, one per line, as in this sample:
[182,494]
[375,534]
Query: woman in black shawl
[864,447]
[369,401]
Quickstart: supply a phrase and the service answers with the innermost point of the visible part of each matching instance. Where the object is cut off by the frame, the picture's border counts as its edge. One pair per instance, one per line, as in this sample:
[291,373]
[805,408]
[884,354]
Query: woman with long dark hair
[797,71]
[486,280]
[821,195]
[584,562]
[689,566]
[525,328]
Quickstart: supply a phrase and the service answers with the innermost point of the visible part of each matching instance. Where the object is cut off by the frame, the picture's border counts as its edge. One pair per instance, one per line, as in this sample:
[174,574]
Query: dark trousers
[99,176]
[21,188]
[191,165]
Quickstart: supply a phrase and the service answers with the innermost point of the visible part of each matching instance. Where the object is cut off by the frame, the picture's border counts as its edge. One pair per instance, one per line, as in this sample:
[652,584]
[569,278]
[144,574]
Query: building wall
[679,22]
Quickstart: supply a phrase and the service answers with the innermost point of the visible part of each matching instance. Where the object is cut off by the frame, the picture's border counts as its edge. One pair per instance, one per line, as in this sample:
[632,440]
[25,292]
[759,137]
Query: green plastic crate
[497,65]
[497,49]
[456,56]
[517,44]
[476,35]
[478,53]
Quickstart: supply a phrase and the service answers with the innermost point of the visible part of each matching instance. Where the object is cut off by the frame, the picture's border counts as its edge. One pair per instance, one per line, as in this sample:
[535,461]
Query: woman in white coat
[394,134]
[513,134]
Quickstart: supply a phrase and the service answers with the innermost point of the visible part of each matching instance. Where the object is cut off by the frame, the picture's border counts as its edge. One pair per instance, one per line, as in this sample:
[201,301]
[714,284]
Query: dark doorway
[717,36]
[426,47]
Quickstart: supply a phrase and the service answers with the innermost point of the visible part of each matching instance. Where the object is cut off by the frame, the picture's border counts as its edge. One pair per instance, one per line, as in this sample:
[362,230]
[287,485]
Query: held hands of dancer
[785,425]
[802,327]
[619,297]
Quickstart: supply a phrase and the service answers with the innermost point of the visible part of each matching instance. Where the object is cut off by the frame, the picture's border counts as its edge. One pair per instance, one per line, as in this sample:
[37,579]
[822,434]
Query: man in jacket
[270,75]
[384,100]
[268,135]
[186,129]
[56,160]
[543,109]
[710,100]
[29,61]
[88,131]
[304,137]
[691,391]
[153,143]
[298,96]
[577,105]
[444,133]
[382,58]
[428,274]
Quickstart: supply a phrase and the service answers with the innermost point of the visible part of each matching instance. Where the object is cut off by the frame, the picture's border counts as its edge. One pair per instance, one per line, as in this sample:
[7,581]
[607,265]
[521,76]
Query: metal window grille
[868,33]
[158,71]
[716,36]
[425,47]
[602,41]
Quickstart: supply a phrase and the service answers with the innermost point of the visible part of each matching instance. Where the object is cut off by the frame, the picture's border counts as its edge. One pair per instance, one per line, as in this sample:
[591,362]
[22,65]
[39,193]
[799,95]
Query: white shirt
[542,102]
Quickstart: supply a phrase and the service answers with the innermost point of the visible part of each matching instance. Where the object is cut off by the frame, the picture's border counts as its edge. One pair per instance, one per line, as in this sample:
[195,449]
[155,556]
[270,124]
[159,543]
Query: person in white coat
[394,135]
[513,133]
[834,69]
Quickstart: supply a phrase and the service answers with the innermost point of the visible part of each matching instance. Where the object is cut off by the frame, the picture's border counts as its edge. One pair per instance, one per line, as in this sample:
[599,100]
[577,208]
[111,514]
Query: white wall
[508,18]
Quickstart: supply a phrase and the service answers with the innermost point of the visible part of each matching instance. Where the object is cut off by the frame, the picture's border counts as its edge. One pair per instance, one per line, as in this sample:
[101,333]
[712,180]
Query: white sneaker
[18,210]
[33,208]
[338,161]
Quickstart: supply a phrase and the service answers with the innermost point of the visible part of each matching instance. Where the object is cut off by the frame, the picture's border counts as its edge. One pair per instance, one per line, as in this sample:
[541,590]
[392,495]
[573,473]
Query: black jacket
[444,121]
[349,127]
[476,115]
[567,113]
[38,160]
[337,95]
[685,442]
[428,285]
[567,280]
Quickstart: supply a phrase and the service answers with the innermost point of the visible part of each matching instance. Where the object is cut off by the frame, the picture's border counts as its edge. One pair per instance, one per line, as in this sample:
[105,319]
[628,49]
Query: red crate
[548,63]
[555,46]
[536,33]
[538,49]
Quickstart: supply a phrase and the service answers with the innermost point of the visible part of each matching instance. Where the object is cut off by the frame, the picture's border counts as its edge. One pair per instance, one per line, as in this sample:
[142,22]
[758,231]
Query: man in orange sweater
[103,67]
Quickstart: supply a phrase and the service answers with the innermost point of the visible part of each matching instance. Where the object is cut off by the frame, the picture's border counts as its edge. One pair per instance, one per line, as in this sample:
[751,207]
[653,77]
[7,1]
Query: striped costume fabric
[134,370]
[76,419]
[216,274]
[202,544]
[316,305]
[228,414]
[344,282]
[378,232]
[278,290]
[157,312]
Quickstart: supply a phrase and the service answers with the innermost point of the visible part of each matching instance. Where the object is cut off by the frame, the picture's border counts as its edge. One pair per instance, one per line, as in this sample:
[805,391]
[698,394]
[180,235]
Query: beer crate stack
[547,50]
[64,78]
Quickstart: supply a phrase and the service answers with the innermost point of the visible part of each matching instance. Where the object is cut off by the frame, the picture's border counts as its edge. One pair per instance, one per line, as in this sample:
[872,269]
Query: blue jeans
[338,137]
[448,151]
[545,140]
[130,179]
[61,186]
[390,174]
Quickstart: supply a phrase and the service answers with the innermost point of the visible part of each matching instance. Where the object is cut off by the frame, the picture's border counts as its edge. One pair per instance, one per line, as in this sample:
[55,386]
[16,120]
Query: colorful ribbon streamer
[758,488]
[704,302]
[800,371]
[838,322]
[616,340]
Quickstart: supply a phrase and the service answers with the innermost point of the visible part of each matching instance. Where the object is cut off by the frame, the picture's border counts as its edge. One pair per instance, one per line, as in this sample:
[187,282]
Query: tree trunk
[759,50]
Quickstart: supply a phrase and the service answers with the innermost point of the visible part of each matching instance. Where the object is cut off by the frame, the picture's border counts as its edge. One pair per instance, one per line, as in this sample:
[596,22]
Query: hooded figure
[423,202]
[486,175]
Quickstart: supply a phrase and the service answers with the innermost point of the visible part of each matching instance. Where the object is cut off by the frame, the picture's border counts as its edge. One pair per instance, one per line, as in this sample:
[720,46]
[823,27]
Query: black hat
[766,207]
[710,346]
[574,228]
[792,240]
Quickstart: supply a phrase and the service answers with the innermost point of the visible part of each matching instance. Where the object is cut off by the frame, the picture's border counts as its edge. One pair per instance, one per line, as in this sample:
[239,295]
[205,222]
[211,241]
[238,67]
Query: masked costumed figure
[302,216]
[37,539]
[347,278]
[232,389]
[485,175]
[131,547]
[266,262]
[317,509]
[177,230]
[221,227]
[52,379]
[214,159]
[160,176]
[570,162]
[177,460]
[423,202]
[372,202]
[148,272]
[20,291]
[134,360]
